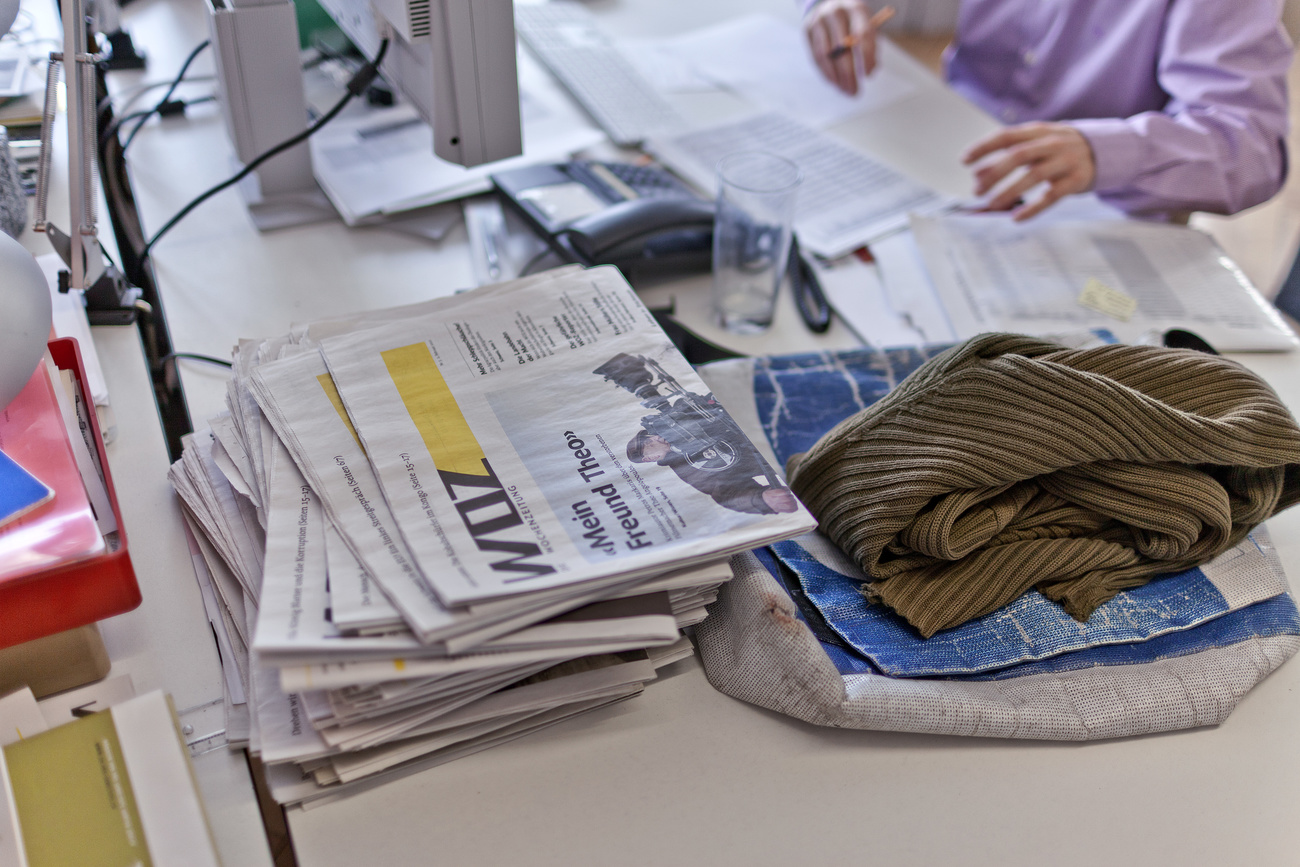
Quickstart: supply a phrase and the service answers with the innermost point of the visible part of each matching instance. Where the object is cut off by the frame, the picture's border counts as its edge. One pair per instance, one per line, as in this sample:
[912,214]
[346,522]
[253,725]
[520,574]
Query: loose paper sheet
[768,62]
[992,274]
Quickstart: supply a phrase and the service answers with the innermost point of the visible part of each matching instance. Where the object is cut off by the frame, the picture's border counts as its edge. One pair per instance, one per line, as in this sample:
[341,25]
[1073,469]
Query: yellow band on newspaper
[432,407]
[331,391]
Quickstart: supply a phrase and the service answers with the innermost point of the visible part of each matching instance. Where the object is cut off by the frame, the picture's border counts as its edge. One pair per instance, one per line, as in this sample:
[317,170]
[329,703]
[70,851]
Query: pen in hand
[851,42]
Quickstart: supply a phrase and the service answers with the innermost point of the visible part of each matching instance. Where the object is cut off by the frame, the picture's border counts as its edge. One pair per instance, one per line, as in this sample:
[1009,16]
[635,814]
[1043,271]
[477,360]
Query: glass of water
[751,237]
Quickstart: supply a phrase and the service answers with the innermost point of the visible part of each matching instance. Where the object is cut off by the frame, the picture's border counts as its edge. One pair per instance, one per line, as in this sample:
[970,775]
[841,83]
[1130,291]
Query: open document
[767,61]
[845,200]
[1130,278]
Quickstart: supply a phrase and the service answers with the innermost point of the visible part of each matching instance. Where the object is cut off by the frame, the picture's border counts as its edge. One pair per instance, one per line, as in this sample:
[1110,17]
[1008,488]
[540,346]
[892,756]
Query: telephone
[639,218]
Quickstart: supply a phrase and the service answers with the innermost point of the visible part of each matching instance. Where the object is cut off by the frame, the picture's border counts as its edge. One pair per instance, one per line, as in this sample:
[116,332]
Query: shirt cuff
[1116,152]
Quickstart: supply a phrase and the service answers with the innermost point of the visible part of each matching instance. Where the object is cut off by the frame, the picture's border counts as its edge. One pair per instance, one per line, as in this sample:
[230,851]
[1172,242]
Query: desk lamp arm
[81,250]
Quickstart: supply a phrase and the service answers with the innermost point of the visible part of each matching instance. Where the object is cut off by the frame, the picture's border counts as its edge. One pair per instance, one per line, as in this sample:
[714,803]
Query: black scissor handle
[808,296]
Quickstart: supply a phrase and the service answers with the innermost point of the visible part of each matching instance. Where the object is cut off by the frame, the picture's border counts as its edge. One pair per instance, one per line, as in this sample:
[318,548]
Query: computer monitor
[454,60]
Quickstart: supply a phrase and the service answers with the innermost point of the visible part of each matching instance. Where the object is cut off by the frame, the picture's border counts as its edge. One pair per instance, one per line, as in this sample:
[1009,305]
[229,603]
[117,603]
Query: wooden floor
[1262,240]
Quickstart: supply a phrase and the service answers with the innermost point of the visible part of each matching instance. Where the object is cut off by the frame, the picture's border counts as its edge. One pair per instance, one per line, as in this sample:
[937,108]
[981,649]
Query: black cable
[541,255]
[356,86]
[104,250]
[131,95]
[533,262]
[166,108]
[151,321]
[176,82]
[178,106]
[194,356]
[113,127]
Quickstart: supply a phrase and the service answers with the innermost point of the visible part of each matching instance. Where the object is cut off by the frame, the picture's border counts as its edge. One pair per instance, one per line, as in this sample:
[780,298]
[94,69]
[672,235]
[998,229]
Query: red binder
[66,577]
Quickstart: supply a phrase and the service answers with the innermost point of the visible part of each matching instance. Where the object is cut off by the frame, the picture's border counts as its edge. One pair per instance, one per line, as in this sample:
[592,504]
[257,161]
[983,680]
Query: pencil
[878,20]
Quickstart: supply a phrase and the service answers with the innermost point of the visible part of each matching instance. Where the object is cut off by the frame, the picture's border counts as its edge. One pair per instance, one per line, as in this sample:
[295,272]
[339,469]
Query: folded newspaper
[424,531]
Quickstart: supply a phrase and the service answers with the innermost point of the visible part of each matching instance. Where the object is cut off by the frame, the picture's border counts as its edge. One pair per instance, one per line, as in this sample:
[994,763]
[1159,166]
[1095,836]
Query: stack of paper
[444,526]
[114,787]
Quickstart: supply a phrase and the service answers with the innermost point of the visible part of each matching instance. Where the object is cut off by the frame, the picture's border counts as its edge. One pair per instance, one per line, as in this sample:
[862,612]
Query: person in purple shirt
[1161,107]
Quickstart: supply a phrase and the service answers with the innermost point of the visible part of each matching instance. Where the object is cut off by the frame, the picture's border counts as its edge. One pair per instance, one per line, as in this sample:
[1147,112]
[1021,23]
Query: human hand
[1053,153]
[842,36]
[780,500]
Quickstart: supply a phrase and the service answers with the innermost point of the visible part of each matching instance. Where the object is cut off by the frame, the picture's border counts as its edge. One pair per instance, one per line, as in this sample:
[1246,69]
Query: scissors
[808,295]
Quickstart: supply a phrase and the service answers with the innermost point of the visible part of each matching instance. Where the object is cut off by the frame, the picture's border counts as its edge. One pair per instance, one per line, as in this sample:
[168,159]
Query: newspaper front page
[534,439]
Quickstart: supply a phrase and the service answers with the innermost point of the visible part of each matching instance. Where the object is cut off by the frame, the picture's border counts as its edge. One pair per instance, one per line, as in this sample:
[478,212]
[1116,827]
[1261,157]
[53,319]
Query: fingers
[826,34]
[1029,154]
[1014,192]
[1063,178]
[1044,153]
[841,35]
[819,40]
[861,39]
[1053,195]
[1002,140]
[843,20]
[1069,181]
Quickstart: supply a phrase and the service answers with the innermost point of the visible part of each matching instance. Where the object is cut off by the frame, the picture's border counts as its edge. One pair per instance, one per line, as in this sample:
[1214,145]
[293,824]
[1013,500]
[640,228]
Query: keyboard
[618,182]
[565,38]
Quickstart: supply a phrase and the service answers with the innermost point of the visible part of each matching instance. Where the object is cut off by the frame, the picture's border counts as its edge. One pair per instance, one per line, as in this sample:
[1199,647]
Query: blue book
[20,491]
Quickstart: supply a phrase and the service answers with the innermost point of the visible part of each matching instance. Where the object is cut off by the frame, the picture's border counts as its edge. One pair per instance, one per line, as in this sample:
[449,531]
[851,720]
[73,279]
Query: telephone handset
[641,228]
[640,218]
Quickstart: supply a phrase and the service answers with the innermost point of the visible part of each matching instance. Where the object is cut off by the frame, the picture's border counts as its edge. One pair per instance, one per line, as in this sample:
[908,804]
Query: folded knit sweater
[1010,462]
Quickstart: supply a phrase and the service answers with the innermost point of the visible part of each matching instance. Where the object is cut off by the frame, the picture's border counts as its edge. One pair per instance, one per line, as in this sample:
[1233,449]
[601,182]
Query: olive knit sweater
[1009,462]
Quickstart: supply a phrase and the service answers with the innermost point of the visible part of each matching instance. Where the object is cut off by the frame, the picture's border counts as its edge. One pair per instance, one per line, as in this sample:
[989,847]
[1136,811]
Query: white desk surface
[684,772]
[164,643]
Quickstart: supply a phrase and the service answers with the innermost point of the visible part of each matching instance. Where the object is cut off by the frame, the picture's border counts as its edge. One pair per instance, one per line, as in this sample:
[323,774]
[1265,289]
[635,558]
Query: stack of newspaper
[443,526]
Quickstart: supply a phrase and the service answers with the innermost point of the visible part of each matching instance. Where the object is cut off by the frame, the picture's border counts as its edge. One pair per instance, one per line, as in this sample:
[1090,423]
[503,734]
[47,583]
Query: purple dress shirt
[1183,102]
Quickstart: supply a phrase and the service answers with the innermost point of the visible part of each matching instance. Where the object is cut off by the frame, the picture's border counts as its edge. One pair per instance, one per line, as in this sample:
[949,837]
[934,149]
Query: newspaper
[228,521]
[302,405]
[1131,278]
[527,440]
[549,695]
[294,624]
[582,475]
[357,604]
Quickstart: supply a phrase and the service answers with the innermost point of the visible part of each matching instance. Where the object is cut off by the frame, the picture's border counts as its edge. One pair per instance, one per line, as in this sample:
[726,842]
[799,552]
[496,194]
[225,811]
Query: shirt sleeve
[744,495]
[1219,144]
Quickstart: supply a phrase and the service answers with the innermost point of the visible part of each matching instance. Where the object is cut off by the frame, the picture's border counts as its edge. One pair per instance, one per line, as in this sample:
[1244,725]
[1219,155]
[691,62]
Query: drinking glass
[751,237]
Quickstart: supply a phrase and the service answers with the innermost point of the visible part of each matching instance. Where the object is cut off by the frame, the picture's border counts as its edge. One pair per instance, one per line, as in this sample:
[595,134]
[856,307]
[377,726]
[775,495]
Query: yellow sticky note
[1096,295]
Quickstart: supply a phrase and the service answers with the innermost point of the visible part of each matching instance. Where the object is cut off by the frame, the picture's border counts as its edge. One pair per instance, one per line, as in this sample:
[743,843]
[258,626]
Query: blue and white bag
[792,633]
